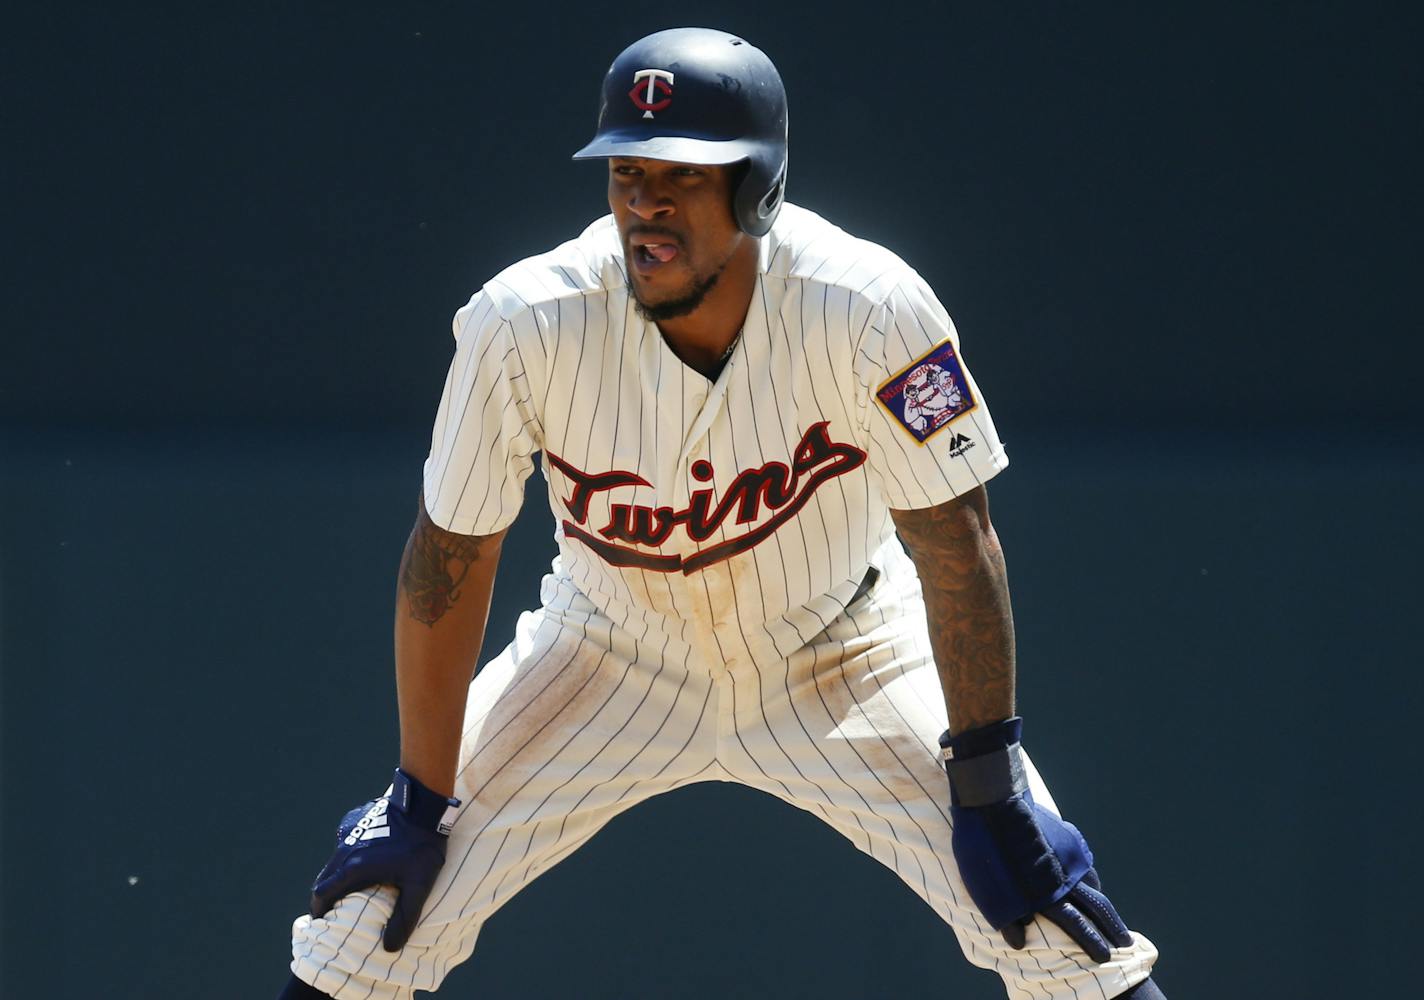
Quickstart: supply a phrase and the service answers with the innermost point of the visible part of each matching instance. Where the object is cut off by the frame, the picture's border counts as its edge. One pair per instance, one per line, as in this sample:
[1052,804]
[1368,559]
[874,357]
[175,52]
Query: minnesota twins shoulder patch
[929,393]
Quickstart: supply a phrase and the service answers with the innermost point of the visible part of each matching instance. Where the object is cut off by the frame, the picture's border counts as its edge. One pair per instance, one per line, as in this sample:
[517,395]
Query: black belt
[867,583]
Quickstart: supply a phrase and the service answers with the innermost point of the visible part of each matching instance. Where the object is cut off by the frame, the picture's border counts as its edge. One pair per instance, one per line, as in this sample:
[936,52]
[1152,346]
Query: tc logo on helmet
[646,97]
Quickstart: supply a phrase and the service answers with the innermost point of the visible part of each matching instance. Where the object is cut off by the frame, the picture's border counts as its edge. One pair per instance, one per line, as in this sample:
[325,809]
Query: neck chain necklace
[721,363]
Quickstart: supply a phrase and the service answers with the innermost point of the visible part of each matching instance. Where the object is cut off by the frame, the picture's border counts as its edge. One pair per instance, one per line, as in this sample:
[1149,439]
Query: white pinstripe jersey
[757,502]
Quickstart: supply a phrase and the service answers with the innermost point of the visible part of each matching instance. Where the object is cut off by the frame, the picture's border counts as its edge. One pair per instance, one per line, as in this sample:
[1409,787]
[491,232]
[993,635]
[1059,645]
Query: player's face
[678,232]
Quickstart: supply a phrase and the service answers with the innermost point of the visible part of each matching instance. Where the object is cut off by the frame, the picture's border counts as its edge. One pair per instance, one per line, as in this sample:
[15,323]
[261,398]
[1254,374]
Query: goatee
[673,308]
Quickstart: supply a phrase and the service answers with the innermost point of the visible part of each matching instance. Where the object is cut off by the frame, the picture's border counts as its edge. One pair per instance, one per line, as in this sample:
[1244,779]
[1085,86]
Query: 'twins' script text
[782,489]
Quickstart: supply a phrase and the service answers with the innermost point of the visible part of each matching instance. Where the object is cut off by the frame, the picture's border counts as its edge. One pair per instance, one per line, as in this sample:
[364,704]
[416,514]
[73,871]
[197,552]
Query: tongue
[663,252]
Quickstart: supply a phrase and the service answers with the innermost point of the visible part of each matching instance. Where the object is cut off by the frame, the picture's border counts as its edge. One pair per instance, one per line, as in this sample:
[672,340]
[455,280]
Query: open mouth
[651,251]
[655,253]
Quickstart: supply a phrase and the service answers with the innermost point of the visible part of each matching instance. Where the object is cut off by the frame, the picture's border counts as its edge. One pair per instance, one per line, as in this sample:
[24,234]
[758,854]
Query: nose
[648,200]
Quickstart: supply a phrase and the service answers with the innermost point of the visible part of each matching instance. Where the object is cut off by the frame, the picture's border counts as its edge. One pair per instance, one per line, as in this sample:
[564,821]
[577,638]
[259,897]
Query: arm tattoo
[966,592]
[434,566]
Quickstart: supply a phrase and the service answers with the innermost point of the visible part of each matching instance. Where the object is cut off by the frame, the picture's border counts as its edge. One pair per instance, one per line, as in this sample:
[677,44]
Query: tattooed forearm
[966,592]
[434,566]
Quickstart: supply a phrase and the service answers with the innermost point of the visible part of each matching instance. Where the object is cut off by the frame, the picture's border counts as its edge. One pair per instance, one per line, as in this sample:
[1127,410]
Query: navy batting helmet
[694,95]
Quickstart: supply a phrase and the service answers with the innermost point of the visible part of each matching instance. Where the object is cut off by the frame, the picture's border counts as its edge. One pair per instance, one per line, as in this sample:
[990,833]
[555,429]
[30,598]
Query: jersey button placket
[700,604]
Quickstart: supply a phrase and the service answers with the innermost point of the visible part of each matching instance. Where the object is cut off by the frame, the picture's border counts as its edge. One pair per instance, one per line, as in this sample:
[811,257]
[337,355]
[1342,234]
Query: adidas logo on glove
[371,826]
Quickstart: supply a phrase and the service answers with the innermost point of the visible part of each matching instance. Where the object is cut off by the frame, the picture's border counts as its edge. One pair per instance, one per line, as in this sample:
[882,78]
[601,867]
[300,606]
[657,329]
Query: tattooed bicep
[436,564]
[946,529]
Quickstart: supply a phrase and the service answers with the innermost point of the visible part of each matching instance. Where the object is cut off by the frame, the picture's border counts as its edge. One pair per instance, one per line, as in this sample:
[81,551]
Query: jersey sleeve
[927,424]
[486,429]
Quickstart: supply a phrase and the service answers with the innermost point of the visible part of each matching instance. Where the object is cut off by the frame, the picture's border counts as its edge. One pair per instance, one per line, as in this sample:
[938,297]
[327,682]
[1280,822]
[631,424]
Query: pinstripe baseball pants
[577,720]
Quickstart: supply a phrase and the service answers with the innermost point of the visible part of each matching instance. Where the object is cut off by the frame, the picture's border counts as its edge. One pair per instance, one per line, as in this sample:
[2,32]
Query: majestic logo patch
[928,394]
[775,486]
[959,444]
[645,97]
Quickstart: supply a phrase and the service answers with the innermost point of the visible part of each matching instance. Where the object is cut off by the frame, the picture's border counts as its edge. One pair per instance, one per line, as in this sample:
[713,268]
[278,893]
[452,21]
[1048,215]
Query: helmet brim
[674,148]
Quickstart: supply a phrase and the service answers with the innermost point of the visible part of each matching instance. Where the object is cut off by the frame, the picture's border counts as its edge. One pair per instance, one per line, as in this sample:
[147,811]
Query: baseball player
[739,407]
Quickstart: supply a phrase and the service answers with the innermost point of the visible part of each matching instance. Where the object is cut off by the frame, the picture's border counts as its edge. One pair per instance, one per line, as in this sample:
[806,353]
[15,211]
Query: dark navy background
[1181,244]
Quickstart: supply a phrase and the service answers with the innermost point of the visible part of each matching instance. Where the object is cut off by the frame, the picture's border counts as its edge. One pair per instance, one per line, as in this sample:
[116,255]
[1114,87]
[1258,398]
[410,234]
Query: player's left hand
[396,840]
[1017,858]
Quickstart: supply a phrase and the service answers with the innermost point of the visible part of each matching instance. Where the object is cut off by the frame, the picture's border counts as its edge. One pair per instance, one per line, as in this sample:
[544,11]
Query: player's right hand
[397,840]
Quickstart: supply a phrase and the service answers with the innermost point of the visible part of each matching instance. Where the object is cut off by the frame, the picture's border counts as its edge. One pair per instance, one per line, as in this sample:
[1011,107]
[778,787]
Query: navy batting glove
[1017,858]
[396,840]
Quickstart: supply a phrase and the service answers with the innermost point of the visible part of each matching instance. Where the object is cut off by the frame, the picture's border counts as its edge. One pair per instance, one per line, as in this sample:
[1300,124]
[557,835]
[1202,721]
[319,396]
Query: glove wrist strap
[424,807]
[985,765]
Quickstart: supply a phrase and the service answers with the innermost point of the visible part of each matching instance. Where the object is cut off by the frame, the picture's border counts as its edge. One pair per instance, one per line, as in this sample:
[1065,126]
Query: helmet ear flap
[759,195]
[770,203]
